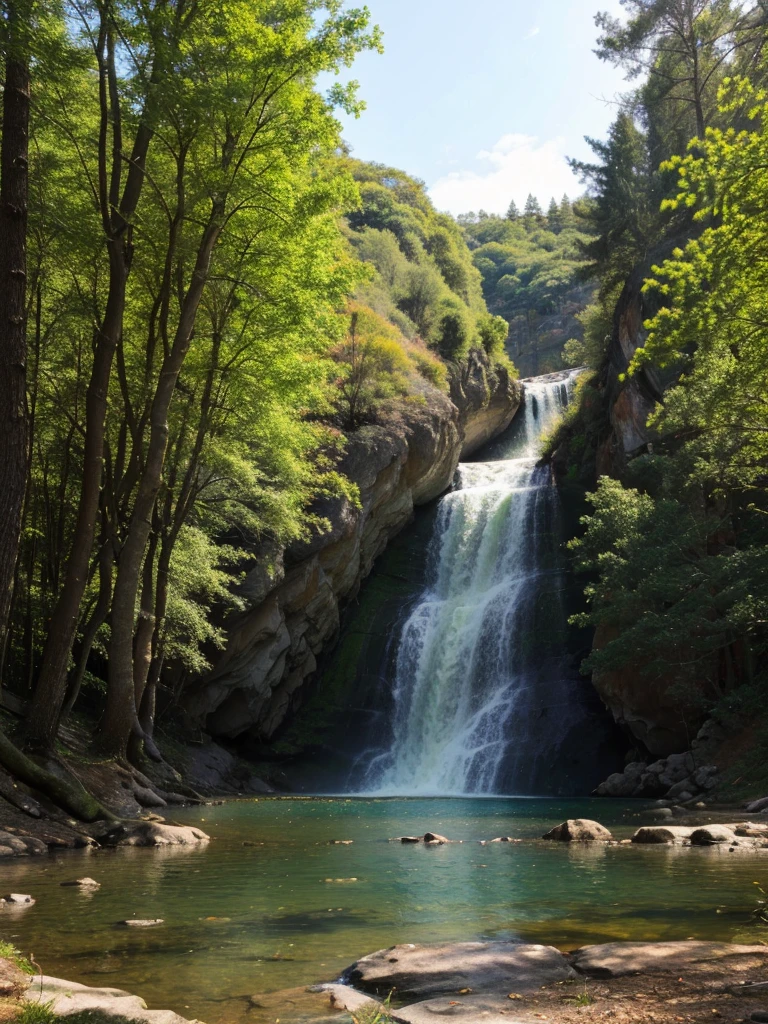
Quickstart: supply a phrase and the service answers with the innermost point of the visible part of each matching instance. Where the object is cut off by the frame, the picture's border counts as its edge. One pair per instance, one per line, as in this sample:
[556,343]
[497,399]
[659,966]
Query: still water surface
[247,919]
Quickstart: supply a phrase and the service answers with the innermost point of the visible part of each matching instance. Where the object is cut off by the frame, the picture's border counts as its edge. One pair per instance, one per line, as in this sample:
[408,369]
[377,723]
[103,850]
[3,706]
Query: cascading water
[483,687]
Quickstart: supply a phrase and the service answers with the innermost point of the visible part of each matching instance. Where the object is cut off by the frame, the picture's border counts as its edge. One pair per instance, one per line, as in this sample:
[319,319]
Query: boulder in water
[83,883]
[435,840]
[671,835]
[710,835]
[149,833]
[579,830]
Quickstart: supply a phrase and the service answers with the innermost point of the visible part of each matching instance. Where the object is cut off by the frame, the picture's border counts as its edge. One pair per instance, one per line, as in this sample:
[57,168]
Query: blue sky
[483,100]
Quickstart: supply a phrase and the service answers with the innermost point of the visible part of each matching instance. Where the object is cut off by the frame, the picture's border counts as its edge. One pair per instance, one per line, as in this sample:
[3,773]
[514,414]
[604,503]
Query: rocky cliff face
[295,595]
[629,403]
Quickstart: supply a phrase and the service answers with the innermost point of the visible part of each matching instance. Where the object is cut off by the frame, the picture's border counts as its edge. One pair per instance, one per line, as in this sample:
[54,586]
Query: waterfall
[481,688]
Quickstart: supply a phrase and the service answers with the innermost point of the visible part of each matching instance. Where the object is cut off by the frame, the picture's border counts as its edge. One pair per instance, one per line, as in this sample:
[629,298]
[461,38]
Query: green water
[247,919]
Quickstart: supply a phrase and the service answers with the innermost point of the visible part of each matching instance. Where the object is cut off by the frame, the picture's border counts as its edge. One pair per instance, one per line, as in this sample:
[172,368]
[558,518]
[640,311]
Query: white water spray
[474,675]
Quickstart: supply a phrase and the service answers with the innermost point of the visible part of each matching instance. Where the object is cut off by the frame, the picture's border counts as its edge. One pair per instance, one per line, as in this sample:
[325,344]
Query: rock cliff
[295,595]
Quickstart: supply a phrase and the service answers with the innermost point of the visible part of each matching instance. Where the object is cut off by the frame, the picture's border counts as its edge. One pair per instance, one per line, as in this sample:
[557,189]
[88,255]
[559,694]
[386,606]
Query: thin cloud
[514,167]
[533,32]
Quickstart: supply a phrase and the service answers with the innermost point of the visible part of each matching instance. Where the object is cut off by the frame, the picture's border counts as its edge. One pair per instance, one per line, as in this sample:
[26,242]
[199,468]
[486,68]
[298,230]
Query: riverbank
[496,983]
[291,892]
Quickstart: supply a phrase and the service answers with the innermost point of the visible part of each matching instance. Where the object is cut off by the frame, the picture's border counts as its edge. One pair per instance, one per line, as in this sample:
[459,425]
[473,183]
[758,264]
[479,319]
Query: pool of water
[284,911]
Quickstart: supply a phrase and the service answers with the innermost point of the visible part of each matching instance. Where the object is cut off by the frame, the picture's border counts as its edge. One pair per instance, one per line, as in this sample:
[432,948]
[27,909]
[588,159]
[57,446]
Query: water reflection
[241,921]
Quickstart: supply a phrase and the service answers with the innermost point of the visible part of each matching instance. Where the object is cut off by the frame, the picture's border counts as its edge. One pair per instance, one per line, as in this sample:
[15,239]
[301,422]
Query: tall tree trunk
[117,214]
[121,714]
[14,179]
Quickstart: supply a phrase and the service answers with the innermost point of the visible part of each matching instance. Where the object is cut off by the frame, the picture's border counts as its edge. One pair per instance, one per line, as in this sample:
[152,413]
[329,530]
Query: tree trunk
[14,176]
[45,708]
[120,716]
[98,616]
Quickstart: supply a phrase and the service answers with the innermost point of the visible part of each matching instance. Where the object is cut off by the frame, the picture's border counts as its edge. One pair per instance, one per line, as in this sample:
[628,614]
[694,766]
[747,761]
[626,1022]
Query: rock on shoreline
[508,983]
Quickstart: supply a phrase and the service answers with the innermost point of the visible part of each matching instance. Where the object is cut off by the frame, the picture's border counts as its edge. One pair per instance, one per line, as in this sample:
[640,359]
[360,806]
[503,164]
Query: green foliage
[374,1013]
[454,329]
[423,279]
[9,952]
[33,1012]
[493,331]
[624,211]
[711,324]
[596,322]
[375,368]
[532,278]
[241,152]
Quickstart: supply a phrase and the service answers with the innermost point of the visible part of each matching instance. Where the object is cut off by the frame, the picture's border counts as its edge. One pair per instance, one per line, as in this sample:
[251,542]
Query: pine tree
[513,213]
[533,215]
[567,216]
[553,217]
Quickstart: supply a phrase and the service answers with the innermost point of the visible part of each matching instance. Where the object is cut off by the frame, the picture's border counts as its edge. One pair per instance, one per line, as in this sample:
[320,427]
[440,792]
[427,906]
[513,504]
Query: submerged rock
[579,830]
[423,972]
[83,883]
[139,922]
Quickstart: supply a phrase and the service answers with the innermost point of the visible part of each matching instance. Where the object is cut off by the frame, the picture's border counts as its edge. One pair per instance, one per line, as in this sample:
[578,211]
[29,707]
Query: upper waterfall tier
[479,664]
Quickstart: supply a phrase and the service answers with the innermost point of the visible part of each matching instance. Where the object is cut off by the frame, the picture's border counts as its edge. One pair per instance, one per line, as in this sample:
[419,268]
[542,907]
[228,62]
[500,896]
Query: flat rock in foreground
[423,972]
[68,997]
[472,1009]
[616,959]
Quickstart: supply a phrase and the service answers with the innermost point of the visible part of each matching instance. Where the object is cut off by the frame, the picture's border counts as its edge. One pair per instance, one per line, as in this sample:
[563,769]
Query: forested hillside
[672,418]
[202,297]
[532,268]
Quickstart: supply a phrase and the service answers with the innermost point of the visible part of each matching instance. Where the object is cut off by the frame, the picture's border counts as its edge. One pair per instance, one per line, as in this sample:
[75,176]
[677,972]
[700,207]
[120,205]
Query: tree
[14,163]
[554,222]
[711,326]
[685,44]
[375,368]
[533,215]
[567,216]
[118,190]
[624,214]
[192,73]
[679,547]
[513,213]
